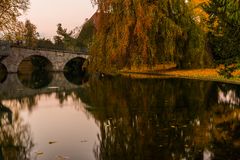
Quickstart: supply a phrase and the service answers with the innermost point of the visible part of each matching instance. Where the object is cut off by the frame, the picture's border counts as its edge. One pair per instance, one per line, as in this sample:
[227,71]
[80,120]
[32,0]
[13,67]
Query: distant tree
[45,43]
[78,39]
[9,11]
[58,43]
[31,34]
[67,38]
[17,34]
[24,34]
[62,31]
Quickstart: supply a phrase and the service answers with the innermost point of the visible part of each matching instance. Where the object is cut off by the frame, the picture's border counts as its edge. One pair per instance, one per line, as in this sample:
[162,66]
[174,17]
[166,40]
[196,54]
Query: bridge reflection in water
[23,85]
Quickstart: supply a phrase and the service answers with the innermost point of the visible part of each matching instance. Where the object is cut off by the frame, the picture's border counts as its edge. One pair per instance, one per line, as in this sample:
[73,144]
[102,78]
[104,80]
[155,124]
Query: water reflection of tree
[15,138]
[160,119]
[229,94]
[226,132]
[25,102]
[30,102]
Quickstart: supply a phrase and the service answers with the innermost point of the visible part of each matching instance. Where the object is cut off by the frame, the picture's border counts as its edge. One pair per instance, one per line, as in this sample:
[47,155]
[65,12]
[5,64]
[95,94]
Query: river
[48,116]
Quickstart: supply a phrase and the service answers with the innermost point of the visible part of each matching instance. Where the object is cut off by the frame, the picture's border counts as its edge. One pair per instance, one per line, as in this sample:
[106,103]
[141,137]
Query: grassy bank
[169,71]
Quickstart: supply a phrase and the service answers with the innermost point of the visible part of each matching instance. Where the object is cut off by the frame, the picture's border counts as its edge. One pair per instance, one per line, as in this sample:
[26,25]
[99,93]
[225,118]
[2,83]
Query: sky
[46,14]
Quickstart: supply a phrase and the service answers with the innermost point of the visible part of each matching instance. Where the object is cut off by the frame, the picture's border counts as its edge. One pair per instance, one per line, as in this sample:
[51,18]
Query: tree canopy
[136,32]
[25,34]
[9,11]
[30,34]
[224,29]
[86,34]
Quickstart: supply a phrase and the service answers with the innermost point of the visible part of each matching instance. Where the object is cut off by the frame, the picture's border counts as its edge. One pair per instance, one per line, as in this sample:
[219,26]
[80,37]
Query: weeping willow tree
[147,32]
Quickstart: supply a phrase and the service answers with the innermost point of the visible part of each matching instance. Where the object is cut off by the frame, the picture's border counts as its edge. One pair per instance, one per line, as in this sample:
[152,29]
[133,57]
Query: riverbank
[169,71]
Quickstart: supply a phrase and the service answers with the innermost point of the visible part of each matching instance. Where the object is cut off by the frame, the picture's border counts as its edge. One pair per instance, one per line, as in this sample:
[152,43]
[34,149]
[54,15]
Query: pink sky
[46,14]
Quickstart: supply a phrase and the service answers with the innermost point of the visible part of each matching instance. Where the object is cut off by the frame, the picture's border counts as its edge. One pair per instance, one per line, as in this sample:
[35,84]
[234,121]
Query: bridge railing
[51,50]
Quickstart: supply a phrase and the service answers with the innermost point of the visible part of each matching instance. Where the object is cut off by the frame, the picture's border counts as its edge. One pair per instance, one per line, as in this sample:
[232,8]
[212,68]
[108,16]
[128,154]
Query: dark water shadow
[3,73]
[76,78]
[37,79]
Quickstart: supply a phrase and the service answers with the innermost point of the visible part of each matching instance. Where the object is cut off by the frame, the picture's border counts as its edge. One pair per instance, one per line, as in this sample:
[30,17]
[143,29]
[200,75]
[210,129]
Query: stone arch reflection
[75,72]
[36,80]
[34,72]
[3,73]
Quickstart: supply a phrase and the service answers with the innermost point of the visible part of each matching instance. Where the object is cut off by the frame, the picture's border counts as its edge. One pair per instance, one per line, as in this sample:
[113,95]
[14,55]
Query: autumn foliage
[148,32]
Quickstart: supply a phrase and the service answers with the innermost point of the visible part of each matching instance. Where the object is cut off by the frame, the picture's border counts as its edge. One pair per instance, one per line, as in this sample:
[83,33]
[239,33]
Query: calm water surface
[47,116]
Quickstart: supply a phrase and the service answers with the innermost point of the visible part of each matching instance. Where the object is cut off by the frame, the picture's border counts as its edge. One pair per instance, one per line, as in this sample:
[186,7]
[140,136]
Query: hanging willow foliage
[147,32]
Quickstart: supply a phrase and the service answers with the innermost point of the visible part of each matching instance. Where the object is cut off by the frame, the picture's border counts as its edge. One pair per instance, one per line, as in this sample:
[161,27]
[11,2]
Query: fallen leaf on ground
[52,142]
[39,153]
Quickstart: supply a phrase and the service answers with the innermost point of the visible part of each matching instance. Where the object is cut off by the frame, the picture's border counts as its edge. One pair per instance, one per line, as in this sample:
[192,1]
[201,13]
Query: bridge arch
[75,68]
[74,64]
[35,62]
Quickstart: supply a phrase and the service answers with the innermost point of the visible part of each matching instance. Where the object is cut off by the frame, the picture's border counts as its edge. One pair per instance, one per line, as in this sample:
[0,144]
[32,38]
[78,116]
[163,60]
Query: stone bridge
[12,88]
[58,58]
